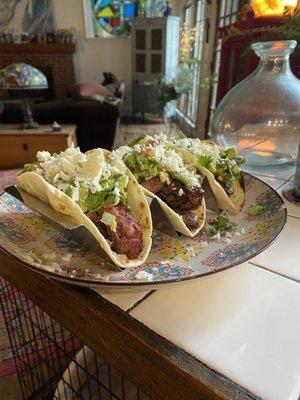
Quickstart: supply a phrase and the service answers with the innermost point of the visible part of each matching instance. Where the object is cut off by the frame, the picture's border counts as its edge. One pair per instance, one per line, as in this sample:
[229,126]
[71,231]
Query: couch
[96,122]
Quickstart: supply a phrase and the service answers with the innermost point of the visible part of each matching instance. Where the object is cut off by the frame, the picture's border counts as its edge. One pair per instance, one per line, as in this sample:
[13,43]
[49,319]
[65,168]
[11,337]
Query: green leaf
[136,140]
[221,224]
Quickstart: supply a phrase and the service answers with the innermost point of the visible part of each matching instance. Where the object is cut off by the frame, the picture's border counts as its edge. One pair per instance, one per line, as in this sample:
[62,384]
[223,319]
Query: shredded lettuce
[204,160]
[179,177]
[226,169]
[109,220]
[112,191]
[143,167]
[29,167]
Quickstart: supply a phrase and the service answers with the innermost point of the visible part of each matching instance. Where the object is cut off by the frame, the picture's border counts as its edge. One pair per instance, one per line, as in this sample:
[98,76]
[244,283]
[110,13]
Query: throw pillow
[89,89]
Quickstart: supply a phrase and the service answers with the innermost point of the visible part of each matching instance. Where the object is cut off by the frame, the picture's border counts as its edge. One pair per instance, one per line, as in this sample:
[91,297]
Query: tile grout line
[137,303]
[288,180]
[267,176]
[279,188]
[292,216]
[274,272]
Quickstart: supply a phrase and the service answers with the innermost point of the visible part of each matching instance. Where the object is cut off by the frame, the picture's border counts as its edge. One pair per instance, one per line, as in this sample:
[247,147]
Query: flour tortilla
[176,220]
[37,186]
[225,202]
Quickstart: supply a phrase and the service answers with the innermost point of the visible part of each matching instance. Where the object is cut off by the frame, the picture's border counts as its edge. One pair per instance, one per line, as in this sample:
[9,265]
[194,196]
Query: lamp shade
[23,77]
[263,8]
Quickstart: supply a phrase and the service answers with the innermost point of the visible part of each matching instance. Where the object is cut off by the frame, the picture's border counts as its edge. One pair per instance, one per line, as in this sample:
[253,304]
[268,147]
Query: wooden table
[162,370]
[233,335]
[19,146]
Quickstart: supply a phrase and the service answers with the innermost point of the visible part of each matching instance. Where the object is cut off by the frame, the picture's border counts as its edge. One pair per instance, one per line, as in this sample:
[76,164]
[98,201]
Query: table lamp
[23,77]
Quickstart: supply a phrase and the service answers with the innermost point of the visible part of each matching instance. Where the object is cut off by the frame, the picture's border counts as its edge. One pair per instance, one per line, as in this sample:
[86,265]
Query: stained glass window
[113,16]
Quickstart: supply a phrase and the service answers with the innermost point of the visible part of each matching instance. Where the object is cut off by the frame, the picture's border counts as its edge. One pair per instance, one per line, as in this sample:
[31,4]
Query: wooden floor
[9,388]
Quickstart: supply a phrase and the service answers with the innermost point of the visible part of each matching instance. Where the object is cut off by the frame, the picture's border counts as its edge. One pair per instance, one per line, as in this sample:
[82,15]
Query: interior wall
[97,55]
[94,55]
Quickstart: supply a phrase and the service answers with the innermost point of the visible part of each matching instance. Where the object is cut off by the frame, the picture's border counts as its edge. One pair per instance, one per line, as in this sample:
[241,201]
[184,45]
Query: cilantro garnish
[221,224]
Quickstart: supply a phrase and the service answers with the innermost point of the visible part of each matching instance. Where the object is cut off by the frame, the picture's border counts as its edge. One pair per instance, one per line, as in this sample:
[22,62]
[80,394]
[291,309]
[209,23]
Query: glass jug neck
[275,64]
[274,55]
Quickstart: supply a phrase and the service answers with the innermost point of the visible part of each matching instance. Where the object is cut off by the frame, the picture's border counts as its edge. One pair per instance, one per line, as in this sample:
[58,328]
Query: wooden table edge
[161,369]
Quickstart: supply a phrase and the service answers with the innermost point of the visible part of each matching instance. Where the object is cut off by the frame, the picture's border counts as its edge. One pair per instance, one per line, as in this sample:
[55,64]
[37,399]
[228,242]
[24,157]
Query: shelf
[39,47]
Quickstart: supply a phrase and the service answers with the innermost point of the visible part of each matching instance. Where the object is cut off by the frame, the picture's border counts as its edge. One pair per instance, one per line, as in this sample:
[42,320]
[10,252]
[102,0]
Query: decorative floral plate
[173,258]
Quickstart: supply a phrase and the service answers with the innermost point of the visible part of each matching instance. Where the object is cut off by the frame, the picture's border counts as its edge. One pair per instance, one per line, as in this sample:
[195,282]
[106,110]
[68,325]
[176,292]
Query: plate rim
[137,284]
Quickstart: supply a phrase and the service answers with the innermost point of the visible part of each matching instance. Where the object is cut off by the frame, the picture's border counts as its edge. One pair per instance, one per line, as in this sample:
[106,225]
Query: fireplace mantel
[39,47]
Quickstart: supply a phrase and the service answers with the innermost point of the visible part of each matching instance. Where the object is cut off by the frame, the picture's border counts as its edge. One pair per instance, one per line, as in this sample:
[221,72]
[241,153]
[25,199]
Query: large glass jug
[261,115]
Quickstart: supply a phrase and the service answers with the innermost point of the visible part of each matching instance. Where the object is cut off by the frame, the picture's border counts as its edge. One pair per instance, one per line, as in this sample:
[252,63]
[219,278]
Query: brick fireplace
[55,60]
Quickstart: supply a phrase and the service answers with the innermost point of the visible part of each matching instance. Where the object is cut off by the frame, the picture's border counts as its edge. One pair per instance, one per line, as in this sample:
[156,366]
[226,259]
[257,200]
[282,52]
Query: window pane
[156,39]
[156,63]
[232,6]
[140,38]
[140,60]
[188,104]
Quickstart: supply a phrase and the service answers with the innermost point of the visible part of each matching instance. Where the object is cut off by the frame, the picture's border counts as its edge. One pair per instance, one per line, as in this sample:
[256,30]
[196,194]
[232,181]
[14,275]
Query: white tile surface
[283,256]
[273,182]
[293,209]
[243,322]
[124,300]
[280,172]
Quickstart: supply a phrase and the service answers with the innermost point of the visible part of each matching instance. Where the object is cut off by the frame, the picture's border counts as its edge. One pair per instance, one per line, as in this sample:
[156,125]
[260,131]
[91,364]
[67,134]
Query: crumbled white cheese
[166,262]
[75,194]
[167,158]
[67,258]
[190,251]
[216,236]
[199,148]
[43,156]
[97,275]
[71,169]
[48,256]
[144,276]
[180,192]
[122,151]
[116,192]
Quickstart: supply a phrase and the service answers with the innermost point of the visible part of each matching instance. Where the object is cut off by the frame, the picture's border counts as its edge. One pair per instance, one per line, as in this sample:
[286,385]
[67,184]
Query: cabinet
[19,146]
[155,53]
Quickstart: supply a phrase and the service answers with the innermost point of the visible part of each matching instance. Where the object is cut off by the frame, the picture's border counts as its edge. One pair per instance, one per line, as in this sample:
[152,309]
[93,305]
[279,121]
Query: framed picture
[31,16]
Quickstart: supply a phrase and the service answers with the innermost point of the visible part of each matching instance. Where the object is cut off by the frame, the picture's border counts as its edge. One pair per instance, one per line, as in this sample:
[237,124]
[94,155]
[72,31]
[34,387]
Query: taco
[164,176]
[221,166]
[99,192]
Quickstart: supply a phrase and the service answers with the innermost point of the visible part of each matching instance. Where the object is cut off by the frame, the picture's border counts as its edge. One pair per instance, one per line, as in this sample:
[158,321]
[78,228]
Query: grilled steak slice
[190,219]
[154,185]
[127,238]
[181,197]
